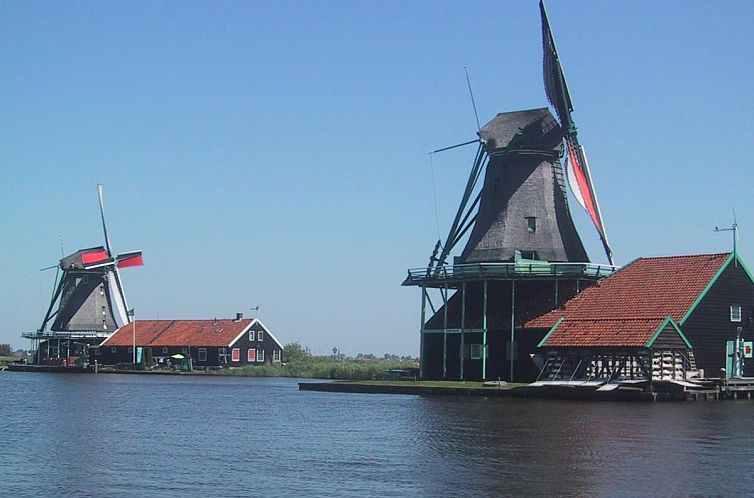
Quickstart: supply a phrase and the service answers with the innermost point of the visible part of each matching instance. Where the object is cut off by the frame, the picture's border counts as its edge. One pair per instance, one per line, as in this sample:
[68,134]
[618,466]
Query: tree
[293,352]
[5,350]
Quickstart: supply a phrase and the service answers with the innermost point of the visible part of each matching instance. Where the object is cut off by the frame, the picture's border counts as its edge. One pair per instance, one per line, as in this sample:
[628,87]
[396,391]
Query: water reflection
[95,435]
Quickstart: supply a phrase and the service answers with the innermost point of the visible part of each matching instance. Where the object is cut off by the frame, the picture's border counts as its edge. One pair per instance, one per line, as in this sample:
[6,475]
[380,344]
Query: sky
[275,153]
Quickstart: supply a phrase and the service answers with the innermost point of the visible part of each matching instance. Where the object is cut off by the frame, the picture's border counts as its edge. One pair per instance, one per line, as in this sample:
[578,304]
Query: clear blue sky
[274,153]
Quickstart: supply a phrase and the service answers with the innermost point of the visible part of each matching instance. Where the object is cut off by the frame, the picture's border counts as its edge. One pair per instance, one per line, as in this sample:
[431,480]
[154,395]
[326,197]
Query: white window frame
[202,354]
[164,350]
[276,355]
[260,336]
[736,313]
[113,349]
[251,336]
[248,355]
[476,348]
[235,355]
[260,355]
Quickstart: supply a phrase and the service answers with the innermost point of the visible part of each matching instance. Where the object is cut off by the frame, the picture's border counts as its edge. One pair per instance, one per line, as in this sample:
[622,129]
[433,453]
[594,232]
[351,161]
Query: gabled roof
[613,333]
[213,333]
[627,307]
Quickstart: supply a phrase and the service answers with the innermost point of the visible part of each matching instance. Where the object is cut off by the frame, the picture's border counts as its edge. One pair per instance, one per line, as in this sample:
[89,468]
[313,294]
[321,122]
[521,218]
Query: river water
[134,435]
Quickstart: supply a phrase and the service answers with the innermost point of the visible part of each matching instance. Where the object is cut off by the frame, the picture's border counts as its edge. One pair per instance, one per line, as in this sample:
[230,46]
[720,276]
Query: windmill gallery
[521,301]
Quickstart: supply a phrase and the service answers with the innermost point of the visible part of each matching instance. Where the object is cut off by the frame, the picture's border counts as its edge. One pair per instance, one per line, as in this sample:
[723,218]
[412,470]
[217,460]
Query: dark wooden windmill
[88,303]
[523,255]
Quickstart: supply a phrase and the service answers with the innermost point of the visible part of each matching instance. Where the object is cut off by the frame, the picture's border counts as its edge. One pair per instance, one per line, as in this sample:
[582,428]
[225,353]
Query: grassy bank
[321,368]
[455,384]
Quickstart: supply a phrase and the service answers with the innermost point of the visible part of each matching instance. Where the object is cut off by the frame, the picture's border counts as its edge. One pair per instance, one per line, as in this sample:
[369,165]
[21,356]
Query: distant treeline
[298,361]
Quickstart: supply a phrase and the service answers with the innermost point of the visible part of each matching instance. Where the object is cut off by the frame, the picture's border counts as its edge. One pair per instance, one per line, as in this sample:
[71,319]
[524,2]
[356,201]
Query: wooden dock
[707,390]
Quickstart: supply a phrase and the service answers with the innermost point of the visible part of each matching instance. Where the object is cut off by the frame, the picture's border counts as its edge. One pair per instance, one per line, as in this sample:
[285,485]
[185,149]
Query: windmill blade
[577,167]
[100,264]
[554,78]
[128,259]
[118,297]
[102,214]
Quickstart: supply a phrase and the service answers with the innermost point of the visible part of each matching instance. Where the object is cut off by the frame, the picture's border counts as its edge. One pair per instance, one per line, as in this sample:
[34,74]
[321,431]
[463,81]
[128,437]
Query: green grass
[431,383]
[4,360]
[320,368]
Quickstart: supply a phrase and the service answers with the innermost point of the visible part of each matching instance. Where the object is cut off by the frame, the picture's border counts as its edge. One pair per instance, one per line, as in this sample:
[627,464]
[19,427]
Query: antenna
[733,228]
[473,104]
[102,214]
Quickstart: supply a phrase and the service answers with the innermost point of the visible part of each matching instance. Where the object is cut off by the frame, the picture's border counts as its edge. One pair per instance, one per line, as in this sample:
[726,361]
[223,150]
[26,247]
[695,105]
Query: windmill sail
[579,176]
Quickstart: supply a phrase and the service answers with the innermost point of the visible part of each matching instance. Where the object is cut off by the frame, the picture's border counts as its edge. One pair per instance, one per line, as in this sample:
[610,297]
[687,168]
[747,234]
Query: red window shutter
[251,355]
[236,354]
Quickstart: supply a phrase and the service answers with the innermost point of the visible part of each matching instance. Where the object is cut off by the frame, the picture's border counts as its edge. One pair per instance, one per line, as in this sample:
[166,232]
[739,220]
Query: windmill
[523,255]
[522,206]
[91,303]
[90,293]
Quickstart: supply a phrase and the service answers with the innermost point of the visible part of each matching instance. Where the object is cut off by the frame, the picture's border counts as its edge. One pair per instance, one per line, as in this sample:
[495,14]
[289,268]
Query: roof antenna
[473,103]
[733,228]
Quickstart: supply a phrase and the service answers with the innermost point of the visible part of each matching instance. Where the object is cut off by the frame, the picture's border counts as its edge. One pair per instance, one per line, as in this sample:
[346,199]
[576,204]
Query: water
[127,435]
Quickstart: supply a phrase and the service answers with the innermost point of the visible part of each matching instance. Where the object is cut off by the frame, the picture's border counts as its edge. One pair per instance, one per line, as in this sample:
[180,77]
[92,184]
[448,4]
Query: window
[113,350]
[164,350]
[185,350]
[97,352]
[251,335]
[531,224]
[260,355]
[476,351]
[275,355]
[735,312]
[260,336]
[251,355]
[130,349]
[202,354]
[235,355]
[222,355]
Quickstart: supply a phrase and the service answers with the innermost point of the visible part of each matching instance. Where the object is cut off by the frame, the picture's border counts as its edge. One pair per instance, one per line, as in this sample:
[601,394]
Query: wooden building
[209,343]
[656,318]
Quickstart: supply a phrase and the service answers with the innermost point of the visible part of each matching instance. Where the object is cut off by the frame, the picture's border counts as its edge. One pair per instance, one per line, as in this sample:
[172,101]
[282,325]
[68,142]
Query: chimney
[239,317]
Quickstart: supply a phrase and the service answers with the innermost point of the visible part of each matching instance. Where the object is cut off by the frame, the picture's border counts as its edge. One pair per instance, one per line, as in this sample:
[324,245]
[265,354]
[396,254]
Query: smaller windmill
[90,300]
[90,293]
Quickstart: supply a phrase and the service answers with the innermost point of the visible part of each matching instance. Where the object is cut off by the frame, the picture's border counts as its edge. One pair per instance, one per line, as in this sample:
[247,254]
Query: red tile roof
[604,333]
[213,333]
[625,306]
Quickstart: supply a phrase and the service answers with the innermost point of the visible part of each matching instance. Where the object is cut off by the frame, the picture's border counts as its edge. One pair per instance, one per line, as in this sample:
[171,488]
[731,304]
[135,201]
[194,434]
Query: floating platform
[503,392]
[706,390]
[25,367]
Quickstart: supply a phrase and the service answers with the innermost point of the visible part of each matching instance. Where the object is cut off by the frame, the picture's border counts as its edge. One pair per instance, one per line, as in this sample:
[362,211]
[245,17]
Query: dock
[706,390]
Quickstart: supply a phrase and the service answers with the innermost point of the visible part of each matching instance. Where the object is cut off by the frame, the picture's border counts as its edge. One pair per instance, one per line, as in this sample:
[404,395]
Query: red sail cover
[578,179]
[129,259]
[94,257]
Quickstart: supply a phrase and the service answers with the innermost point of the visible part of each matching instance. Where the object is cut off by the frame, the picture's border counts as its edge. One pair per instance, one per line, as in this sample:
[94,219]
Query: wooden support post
[422,356]
[484,333]
[513,323]
[463,322]
[557,304]
[445,333]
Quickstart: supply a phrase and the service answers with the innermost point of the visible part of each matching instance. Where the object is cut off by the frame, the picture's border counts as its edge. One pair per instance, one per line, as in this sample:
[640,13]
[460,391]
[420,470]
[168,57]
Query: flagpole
[133,335]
